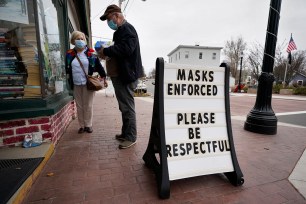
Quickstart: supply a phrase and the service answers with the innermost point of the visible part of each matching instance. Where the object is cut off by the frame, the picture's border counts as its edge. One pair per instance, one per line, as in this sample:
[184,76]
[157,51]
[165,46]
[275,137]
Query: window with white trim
[300,82]
[186,54]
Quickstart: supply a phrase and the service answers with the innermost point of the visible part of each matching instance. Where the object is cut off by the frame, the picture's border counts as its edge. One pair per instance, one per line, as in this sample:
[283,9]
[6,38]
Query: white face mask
[80,44]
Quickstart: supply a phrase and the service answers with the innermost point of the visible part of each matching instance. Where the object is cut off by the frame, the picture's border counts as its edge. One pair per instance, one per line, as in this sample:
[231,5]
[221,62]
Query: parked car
[141,87]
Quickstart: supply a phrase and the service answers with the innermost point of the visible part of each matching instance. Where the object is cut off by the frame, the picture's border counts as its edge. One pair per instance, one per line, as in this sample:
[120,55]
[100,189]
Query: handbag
[93,83]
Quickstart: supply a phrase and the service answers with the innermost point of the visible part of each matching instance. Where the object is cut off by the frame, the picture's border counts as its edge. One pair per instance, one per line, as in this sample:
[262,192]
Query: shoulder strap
[76,55]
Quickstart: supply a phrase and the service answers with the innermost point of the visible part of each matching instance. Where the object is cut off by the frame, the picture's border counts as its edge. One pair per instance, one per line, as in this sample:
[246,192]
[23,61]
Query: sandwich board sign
[191,131]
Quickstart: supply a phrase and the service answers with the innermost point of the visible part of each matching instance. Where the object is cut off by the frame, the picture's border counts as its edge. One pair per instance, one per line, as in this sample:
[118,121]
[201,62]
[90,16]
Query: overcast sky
[162,25]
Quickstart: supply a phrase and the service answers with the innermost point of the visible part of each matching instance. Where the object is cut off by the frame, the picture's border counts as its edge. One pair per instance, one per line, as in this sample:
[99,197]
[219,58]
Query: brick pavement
[89,168]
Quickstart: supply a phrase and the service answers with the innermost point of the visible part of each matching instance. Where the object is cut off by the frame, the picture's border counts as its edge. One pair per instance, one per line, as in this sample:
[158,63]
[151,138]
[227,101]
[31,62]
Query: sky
[162,25]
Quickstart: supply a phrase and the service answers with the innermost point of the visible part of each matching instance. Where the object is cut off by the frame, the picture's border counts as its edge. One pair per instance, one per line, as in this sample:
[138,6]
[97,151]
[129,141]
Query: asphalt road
[287,110]
[295,119]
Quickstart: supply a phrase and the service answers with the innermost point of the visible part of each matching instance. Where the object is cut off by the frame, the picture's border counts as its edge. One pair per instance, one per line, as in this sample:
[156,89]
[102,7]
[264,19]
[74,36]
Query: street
[150,86]
[287,111]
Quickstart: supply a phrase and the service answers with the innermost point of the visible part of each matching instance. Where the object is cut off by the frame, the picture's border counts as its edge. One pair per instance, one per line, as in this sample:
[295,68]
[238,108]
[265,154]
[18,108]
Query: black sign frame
[157,141]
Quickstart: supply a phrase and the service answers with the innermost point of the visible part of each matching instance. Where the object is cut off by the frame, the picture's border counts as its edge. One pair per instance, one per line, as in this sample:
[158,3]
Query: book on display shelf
[12,72]
[32,91]
[29,55]
[19,67]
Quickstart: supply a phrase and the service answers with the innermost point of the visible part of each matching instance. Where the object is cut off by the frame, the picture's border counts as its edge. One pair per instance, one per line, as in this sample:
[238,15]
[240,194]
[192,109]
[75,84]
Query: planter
[252,90]
[286,91]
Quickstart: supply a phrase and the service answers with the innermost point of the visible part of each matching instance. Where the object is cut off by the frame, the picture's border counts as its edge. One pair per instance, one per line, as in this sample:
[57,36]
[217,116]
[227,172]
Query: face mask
[80,44]
[112,25]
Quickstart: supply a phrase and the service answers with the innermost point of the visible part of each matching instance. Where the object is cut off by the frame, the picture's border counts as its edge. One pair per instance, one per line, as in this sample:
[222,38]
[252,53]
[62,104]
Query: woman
[77,78]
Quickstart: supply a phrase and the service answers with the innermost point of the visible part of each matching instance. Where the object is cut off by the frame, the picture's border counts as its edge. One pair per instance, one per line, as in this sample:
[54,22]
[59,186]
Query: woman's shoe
[88,129]
[81,130]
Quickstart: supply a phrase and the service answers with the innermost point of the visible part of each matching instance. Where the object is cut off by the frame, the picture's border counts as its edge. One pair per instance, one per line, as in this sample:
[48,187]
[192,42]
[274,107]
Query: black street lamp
[239,81]
[261,118]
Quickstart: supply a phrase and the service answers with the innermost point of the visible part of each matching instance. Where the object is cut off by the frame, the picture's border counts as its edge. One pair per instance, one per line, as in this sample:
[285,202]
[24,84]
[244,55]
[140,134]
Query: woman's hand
[105,83]
[103,80]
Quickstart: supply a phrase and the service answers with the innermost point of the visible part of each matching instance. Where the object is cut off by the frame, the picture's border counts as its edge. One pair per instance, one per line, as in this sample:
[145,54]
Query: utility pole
[120,3]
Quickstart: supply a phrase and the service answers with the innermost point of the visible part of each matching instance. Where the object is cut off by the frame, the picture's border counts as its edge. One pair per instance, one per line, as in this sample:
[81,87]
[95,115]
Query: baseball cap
[110,9]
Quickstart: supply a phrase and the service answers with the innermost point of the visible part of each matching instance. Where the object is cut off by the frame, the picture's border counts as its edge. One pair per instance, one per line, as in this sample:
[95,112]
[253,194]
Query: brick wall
[12,132]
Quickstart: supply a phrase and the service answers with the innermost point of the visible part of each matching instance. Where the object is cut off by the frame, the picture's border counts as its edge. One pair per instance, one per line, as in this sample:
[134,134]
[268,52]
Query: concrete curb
[297,176]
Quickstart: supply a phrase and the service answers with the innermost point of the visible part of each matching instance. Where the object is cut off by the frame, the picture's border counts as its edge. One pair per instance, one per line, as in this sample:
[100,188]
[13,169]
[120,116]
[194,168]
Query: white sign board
[195,121]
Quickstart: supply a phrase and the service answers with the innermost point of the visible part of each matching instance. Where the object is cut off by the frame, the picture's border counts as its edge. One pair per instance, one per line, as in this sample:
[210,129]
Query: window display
[19,67]
[51,47]
[29,69]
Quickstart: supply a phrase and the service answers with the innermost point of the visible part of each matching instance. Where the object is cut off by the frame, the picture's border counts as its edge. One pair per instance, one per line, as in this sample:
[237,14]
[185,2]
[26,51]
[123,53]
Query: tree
[298,64]
[255,59]
[143,72]
[233,50]
[152,73]
[279,63]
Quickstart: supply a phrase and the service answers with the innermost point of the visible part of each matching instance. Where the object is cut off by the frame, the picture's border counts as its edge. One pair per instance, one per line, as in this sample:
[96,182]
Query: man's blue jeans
[125,98]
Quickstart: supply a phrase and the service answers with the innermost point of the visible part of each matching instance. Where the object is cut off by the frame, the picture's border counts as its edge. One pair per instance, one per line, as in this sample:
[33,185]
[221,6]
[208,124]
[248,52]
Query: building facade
[298,80]
[195,55]
[34,37]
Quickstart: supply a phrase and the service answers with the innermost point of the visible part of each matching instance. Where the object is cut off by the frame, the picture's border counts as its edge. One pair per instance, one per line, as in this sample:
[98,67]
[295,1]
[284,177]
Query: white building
[195,55]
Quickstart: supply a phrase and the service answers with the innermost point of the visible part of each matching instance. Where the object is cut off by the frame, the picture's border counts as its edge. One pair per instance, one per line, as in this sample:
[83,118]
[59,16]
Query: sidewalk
[90,168]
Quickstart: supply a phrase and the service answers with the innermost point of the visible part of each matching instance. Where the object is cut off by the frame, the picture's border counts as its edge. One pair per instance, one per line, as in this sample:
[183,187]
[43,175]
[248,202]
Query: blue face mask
[112,25]
[80,44]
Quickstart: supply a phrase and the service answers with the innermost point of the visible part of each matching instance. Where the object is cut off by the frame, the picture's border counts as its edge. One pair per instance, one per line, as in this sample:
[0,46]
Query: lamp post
[261,118]
[239,81]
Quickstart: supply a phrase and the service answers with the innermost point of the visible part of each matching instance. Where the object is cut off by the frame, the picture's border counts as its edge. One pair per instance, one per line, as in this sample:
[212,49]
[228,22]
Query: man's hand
[101,54]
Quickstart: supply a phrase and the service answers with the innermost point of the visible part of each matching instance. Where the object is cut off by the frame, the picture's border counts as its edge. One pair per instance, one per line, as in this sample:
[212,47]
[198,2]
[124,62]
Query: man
[124,66]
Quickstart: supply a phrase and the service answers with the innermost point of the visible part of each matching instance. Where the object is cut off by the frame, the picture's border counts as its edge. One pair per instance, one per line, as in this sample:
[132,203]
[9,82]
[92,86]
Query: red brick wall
[12,132]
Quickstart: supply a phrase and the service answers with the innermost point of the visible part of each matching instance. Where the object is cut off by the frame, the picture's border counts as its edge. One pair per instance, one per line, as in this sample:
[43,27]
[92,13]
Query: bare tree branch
[232,50]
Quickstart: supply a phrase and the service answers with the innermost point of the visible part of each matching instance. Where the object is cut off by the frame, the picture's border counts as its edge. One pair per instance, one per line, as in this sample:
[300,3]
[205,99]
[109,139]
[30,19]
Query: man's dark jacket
[126,51]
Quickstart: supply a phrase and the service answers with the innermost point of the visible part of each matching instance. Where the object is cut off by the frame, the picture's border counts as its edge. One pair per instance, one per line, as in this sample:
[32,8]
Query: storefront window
[19,67]
[26,69]
[52,57]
